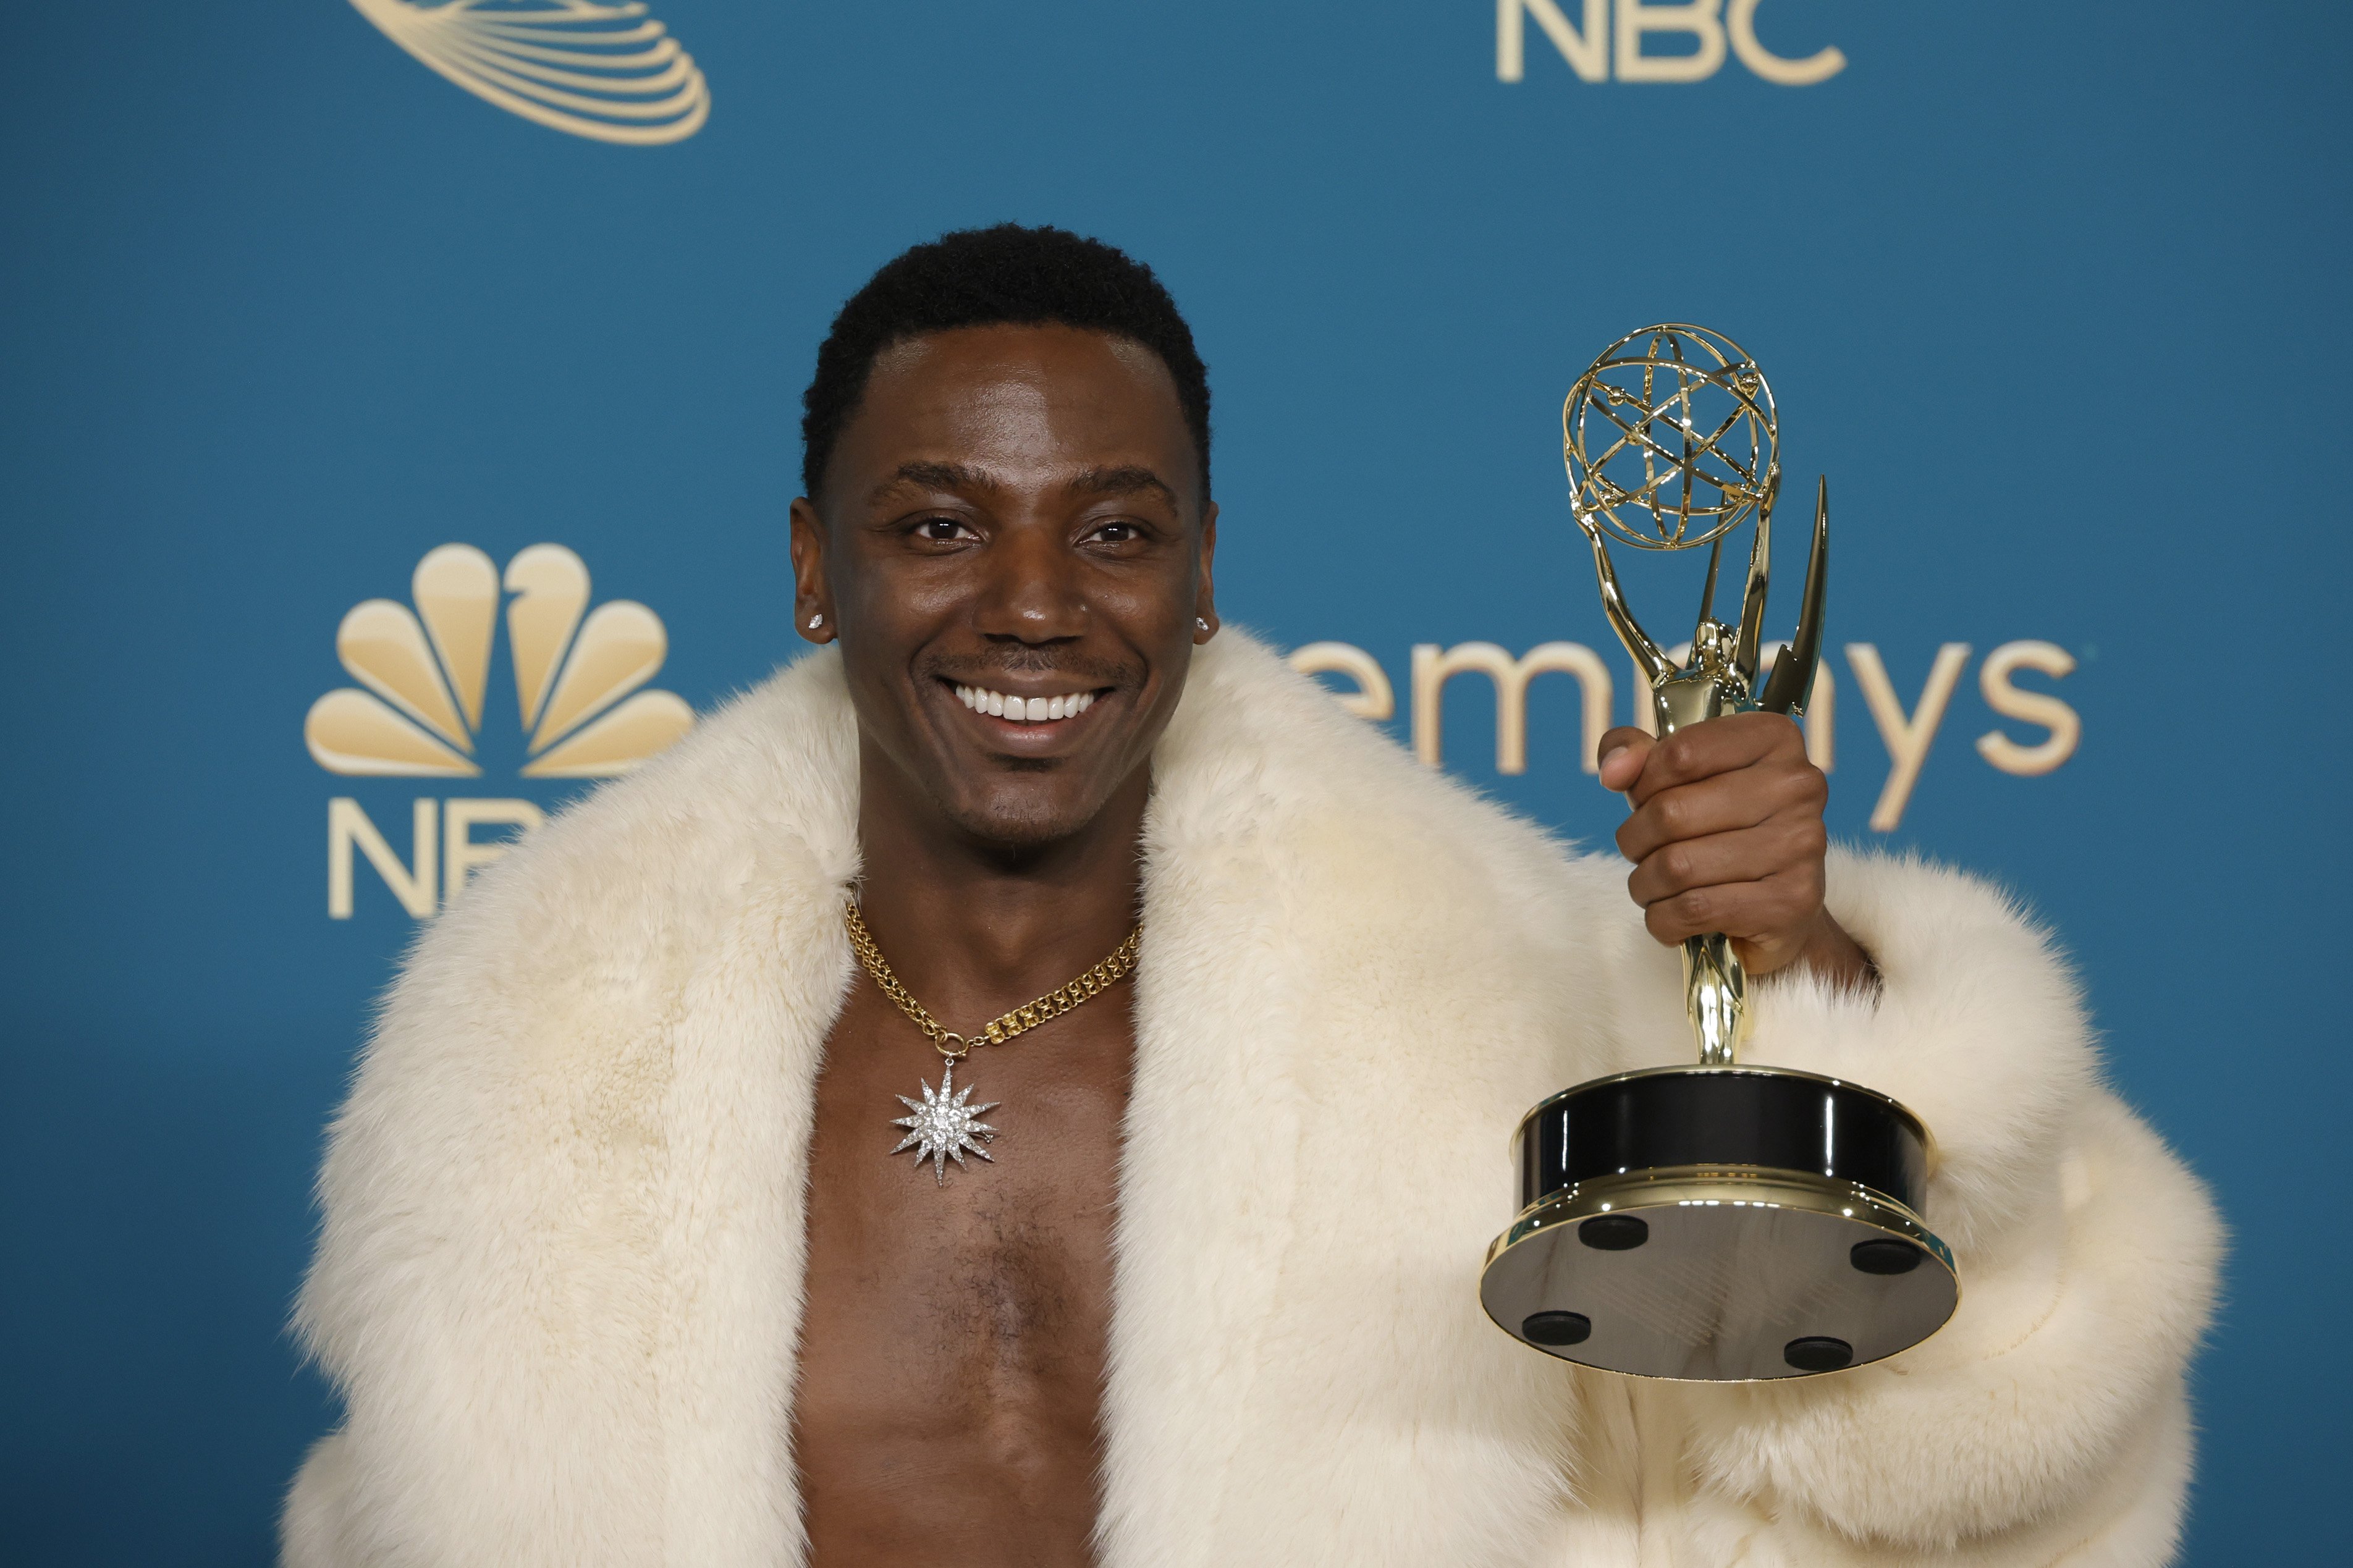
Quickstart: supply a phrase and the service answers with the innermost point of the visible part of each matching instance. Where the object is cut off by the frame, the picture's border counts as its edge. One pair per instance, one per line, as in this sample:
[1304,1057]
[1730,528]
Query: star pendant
[944,1127]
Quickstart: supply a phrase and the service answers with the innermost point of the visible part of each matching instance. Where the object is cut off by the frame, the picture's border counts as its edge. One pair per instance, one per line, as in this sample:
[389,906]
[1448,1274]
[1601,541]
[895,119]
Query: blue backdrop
[2056,295]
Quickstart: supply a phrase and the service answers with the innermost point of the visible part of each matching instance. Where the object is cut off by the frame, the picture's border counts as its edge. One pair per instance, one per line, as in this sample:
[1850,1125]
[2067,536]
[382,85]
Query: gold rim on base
[1544,1238]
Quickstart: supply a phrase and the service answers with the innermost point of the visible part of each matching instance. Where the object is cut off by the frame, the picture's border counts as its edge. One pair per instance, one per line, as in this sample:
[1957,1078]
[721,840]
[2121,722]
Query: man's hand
[1727,835]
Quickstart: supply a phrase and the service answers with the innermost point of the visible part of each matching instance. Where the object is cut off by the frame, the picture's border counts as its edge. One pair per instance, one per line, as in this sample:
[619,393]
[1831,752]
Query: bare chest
[954,1332]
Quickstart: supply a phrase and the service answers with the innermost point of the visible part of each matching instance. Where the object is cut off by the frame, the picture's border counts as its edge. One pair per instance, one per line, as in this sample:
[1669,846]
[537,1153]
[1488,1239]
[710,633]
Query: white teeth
[1029,709]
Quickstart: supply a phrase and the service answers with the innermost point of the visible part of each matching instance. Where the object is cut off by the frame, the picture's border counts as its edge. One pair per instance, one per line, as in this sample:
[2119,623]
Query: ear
[812,596]
[1205,598]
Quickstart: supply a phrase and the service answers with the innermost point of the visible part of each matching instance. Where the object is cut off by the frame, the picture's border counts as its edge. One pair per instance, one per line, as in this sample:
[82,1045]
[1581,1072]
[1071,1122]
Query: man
[688,1210]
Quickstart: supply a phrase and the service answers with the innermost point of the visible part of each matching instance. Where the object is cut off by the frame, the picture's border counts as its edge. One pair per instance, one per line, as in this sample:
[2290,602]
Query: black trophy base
[1720,1225]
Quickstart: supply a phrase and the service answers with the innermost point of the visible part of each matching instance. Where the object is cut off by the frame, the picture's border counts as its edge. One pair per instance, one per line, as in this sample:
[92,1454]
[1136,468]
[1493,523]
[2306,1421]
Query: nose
[1033,592]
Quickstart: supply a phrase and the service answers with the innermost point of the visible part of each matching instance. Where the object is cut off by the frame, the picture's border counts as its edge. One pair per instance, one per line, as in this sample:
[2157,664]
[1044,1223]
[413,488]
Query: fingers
[1725,833]
[1621,754]
[1768,920]
[1774,787]
[1719,746]
[1720,877]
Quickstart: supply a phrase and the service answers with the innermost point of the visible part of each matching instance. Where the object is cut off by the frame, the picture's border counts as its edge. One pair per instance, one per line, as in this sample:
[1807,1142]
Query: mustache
[1094,671]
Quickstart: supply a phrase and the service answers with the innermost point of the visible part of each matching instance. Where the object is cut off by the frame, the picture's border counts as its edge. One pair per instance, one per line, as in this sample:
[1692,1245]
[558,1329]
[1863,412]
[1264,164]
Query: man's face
[1012,520]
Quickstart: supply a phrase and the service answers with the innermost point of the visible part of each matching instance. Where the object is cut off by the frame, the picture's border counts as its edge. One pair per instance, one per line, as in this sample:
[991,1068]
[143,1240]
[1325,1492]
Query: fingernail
[1615,752]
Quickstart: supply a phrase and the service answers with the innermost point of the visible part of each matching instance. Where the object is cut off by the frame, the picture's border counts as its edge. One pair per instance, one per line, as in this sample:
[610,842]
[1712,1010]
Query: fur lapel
[746,1040]
[1337,1004]
[745,1053]
[1209,1167]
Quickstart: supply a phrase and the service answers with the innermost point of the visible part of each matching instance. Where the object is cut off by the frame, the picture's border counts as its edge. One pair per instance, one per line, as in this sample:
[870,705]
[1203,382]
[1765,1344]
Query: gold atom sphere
[1670,438]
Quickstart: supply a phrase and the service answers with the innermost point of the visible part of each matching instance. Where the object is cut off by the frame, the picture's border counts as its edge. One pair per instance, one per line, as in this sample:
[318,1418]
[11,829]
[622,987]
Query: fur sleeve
[2087,1254]
[480,1183]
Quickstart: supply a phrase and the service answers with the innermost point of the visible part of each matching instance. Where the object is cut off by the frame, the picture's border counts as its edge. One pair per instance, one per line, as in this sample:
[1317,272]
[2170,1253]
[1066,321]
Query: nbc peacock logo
[427,672]
[420,708]
[606,71]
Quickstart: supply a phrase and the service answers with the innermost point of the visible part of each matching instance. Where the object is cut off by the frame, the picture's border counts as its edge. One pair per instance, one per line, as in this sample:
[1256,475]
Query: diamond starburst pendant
[944,1127]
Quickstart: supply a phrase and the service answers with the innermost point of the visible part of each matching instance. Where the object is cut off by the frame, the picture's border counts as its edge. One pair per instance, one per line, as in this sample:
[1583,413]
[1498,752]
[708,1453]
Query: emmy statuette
[1721,1222]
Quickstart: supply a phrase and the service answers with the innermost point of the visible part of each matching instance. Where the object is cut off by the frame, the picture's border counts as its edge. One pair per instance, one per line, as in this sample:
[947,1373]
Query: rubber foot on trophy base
[1818,1354]
[1551,1328]
[1614,1233]
[1719,1276]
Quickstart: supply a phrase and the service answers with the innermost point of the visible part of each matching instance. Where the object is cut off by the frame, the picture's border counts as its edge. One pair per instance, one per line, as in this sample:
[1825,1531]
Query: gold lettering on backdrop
[1740,21]
[442,850]
[1907,739]
[1698,19]
[1434,668]
[348,826]
[1587,44]
[1587,51]
[2065,725]
[1909,736]
[1374,699]
[424,670]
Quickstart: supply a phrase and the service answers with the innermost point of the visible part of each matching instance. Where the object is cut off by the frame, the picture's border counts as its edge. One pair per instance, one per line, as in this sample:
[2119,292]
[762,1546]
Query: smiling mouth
[1024,709]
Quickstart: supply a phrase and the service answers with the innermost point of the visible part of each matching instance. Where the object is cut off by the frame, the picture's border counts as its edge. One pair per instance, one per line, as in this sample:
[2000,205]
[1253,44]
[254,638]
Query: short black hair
[1006,275]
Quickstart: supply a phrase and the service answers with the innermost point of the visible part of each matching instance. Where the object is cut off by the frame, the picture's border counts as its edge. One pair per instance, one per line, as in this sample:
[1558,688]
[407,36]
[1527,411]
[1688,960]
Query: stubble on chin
[1024,813]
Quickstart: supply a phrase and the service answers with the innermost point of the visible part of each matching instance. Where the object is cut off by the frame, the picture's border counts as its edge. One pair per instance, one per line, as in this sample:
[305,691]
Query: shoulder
[514,1083]
[619,889]
[540,997]
[1262,774]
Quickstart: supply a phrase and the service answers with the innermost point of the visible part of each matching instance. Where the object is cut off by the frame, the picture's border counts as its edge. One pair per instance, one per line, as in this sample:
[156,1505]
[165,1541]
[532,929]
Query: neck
[974,928]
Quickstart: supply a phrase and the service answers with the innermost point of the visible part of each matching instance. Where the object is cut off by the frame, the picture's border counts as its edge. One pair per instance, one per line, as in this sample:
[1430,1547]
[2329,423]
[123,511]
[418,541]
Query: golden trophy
[1722,1222]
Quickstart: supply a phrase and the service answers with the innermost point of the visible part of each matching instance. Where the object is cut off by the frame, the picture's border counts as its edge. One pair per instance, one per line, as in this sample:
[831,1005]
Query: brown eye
[1116,533]
[939,530]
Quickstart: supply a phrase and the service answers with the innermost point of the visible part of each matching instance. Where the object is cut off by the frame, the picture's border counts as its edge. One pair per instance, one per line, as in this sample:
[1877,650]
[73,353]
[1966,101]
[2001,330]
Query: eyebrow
[1122,479]
[935,477]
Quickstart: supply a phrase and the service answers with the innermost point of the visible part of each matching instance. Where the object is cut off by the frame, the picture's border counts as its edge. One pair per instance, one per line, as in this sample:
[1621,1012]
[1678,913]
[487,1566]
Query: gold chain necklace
[942,1126]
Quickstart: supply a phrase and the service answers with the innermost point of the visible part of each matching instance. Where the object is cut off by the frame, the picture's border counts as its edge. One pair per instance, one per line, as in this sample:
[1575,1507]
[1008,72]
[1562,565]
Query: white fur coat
[559,1275]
